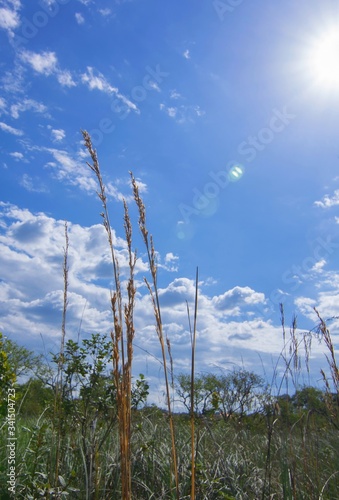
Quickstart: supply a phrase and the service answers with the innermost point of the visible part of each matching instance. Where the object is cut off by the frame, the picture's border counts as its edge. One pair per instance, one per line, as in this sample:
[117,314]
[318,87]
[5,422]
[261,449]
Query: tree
[309,399]
[21,360]
[237,393]
[204,387]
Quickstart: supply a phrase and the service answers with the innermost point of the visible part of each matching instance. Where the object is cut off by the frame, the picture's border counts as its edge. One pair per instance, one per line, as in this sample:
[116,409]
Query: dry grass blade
[58,410]
[148,241]
[193,337]
[123,330]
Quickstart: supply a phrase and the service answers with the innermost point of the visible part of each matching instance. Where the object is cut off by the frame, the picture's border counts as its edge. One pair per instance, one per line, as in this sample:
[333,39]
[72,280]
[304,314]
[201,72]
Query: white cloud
[31,299]
[31,185]
[186,54]
[79,18]
[318,266]
[9,17]
[99,82]
[13,81]
[3,104]
[233,301]
[182,114]
[10,130]
[105,12]
[65,78]
[44,63]
[170,257]
[72,170]
[329,201]
[175,95]
[58,134]
[27,105]
[18,156]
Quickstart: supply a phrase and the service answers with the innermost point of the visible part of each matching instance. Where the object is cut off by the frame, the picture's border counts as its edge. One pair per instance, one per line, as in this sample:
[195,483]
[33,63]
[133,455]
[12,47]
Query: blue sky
[227,114]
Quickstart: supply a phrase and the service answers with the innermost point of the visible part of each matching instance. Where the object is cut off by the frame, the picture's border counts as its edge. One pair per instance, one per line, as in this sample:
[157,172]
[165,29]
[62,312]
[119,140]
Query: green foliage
[7,374]
[33,397]
[140,392]
[239,393]
[21,360]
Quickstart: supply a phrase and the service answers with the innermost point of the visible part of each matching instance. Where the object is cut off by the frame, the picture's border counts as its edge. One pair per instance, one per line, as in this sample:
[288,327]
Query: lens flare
[236,173]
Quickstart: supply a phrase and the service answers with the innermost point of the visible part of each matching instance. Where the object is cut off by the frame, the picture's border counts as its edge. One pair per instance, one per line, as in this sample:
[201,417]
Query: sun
[324,60]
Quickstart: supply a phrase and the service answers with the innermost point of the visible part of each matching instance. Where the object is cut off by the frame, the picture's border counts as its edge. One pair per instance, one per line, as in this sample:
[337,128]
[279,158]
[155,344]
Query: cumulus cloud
[31,299]
[232,301]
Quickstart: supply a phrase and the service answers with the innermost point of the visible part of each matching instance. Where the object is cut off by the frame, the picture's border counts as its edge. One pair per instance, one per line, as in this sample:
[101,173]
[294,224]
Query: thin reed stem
[58,412]
[148,241]
[192,388]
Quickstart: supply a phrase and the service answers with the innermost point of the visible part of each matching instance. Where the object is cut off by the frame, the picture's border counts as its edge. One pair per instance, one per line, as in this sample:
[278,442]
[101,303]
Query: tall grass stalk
[58,404]
[148,240]
[192,415]
[123,330]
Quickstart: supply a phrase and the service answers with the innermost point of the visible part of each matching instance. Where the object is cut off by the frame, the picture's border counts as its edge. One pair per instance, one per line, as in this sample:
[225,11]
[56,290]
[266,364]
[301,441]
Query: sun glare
[324,60]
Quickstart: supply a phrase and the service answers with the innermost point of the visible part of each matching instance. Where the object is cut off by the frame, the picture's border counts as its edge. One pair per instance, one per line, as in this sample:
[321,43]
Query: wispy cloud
[328,201]
[27,105]
[44,63]
[72,170]
[96,81]
[10,130]
[65,78]
[186,54]
[9,15]
[79,18]
[58,135]
[105,12]
[175,95]
[182,114]
[33,186]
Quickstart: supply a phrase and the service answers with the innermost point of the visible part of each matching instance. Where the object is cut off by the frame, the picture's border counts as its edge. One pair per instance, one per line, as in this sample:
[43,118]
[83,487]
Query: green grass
[230,460]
